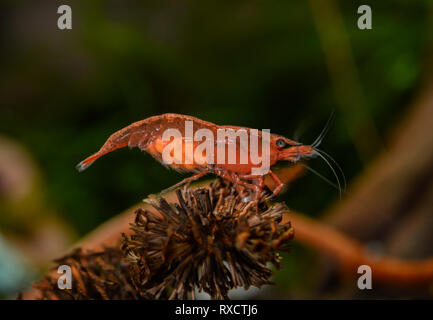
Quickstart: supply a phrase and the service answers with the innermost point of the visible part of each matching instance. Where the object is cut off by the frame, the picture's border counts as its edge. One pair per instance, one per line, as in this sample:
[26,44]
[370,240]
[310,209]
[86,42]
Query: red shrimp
[147,134]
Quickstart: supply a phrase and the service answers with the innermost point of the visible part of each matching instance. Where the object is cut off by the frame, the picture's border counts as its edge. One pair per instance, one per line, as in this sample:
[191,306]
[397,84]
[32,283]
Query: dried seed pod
[210,240]
[95,275]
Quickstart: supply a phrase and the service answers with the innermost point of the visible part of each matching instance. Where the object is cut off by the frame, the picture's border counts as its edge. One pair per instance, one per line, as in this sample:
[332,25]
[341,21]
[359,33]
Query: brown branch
[351,254]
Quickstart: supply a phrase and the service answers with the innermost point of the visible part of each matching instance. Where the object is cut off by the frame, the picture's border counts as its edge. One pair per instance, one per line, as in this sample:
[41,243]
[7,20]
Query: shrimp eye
[281,143]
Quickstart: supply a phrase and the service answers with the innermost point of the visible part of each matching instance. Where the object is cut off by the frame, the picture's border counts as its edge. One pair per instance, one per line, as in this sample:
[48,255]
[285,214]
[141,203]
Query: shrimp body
[148,135]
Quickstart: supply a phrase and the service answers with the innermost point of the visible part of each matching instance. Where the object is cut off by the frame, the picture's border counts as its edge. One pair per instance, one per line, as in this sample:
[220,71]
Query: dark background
[283,65]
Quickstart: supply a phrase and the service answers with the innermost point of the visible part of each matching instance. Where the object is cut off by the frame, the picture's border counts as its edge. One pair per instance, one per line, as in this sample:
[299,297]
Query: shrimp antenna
[325,130]
[333,171]
[321,176]
[338,167]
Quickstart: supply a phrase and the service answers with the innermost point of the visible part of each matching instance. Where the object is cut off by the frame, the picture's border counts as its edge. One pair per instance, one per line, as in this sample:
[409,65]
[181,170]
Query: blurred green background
[275,64]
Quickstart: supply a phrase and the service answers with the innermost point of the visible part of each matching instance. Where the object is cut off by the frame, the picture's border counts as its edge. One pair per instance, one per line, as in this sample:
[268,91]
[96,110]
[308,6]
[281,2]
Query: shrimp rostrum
[241,155]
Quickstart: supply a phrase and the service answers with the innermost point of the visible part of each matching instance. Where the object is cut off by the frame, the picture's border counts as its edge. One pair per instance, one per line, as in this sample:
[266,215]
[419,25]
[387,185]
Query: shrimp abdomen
[132,136]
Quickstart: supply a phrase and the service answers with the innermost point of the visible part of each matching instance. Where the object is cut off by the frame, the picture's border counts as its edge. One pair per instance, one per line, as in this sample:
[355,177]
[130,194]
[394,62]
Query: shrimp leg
[279,184]
[187,180]
[236,179]
[259,186]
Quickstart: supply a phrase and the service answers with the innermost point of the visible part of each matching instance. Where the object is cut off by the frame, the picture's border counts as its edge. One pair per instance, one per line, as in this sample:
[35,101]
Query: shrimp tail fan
[83,165]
